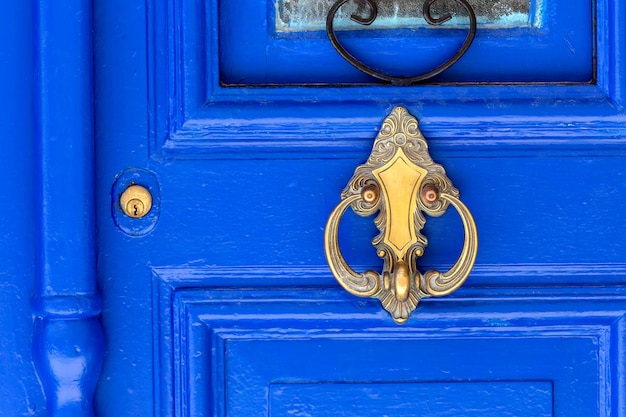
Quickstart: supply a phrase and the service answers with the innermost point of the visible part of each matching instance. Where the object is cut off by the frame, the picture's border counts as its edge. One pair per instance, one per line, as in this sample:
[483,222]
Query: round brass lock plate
[136,201]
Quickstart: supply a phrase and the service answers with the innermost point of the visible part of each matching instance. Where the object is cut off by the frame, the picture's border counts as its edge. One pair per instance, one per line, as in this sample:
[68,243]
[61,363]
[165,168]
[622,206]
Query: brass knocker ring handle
[400,182]
[436,284]
[366,284]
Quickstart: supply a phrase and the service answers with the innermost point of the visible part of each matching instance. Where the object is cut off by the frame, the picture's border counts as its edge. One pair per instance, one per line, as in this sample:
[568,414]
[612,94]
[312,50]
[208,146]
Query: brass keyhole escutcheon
[136,201]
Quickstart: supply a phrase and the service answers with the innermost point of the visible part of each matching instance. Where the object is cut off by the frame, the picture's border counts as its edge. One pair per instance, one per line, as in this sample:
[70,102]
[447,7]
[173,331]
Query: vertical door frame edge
[68,339]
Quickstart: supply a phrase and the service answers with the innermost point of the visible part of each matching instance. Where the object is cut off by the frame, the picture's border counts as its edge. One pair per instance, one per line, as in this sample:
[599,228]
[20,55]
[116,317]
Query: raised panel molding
[455,398]
[193,116]
[224,339]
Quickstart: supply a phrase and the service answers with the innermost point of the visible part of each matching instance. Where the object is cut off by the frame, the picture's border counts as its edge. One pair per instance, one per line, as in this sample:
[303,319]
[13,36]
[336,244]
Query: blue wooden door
[245,128]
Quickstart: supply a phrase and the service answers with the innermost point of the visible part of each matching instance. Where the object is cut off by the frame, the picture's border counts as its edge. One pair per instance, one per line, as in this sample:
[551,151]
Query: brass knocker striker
[401,182]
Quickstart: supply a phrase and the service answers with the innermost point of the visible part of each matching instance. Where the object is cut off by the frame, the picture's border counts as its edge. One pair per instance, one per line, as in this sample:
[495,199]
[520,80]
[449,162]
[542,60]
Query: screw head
[370,193]
[430,194]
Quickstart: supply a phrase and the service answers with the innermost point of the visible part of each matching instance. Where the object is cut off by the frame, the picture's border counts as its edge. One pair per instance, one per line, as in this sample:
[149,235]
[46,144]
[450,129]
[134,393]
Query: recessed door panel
[538,41]
[529,398]
[311,349]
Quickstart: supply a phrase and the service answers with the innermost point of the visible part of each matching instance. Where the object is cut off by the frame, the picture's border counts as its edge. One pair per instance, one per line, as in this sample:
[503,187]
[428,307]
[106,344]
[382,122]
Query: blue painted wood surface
[21,391]
[67,339]
[220,303]
[252,52]
[292,329]
[50,301]
[247,179]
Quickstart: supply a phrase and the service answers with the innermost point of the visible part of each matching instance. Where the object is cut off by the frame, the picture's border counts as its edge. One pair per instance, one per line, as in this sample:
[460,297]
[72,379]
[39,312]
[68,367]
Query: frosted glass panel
[308,15]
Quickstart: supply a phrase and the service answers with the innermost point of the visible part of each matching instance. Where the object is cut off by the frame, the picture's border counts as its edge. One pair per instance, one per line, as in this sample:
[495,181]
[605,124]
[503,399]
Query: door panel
[458,399]
[315,350]
[224,304]
[254,50]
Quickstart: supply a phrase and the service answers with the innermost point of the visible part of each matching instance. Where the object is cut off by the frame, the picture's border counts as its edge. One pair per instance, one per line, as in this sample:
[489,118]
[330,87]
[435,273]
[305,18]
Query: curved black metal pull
[373,9]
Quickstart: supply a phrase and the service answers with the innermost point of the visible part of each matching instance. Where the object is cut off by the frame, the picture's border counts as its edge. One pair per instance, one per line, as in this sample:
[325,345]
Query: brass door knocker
[400,182]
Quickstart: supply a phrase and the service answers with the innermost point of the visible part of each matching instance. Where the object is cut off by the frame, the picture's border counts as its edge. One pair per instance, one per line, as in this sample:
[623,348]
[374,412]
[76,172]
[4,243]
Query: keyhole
[136,201]
[135,208]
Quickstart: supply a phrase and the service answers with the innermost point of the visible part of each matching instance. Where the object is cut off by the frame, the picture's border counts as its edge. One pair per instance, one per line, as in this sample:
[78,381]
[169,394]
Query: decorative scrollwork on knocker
[371,17]
[400,183]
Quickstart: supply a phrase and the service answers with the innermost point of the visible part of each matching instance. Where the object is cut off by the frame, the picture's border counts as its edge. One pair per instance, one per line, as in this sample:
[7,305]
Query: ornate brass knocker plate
[400,181]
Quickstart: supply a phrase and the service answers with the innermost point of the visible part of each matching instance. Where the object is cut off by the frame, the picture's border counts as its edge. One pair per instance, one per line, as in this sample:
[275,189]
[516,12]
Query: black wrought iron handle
[368,20]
